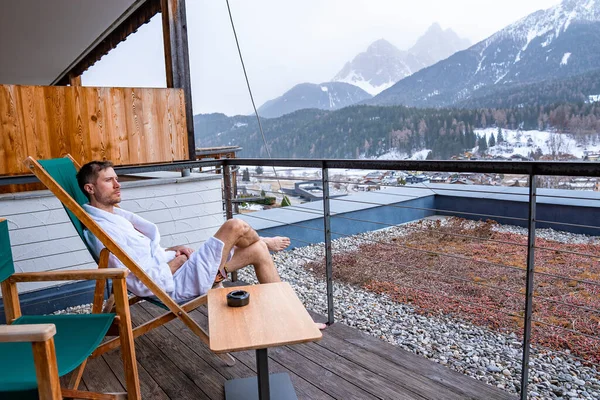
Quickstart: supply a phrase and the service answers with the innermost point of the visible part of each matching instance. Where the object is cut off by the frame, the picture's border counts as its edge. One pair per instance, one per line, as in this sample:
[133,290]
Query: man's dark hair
[89,173]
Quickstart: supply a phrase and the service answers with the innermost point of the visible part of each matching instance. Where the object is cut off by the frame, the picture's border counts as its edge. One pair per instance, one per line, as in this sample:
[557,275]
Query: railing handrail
[549,168]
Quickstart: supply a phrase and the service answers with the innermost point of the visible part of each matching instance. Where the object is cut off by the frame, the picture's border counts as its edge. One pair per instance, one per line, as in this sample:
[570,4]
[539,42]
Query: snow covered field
[524,142]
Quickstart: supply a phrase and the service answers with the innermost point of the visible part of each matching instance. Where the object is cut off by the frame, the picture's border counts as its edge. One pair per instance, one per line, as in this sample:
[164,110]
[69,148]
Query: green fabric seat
[77,336]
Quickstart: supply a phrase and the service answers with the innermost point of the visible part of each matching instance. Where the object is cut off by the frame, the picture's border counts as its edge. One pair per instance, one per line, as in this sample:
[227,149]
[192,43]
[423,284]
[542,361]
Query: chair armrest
[26,333]
[72,275]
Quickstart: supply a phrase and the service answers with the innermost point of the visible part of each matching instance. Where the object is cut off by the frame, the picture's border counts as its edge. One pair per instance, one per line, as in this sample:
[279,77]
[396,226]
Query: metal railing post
[327,233]
[528,287]
[228,195]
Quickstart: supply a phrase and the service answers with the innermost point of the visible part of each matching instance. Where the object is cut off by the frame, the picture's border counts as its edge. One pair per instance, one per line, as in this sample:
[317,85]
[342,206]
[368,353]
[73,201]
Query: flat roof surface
[392,195]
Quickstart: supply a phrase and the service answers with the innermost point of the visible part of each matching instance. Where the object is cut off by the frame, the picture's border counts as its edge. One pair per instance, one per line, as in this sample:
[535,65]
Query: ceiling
[41,39]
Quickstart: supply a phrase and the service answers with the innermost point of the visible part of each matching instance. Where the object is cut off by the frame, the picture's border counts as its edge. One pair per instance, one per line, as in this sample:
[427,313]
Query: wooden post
[177,62]
[46,370]
[74,80]
[10,296]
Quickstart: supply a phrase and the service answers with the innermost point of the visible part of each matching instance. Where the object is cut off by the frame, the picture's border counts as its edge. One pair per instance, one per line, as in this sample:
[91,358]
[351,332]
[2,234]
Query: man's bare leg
[276,243]
[235,233]
[258,255]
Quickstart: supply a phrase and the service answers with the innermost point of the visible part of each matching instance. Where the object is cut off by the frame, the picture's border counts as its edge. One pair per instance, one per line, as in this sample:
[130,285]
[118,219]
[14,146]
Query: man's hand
[179,250]
[177,262]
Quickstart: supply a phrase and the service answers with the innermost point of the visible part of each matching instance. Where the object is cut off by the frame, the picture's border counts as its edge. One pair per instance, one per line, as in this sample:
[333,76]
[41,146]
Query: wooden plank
[116,121]
[199,347]
[169,128]
[99,140]
[41,233]
[208,379]
[320,385]
[192,224]
[35,123]
[134,126]
[152,129]
[247,365]
[56,247]
[166,199]
[466,387]
[98,377]
[166,374]
[127,126]
[35,207]
[373,382]
[182,212]
[274,317]
[27,333]
[58,106]
[329,382]
[65,379]
[14,146]
[86,274]
[149,388]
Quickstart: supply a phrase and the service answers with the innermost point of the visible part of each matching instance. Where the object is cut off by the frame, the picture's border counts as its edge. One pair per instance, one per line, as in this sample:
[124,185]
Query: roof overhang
[42,41]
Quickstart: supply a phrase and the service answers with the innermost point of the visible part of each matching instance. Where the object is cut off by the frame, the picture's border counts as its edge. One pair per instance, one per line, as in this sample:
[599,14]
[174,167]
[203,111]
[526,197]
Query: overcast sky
[286,42]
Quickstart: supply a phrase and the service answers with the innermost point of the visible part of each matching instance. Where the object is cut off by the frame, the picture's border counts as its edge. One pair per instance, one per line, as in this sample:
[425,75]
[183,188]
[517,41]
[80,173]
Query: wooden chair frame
[41,337]
[175,310]
[44,345]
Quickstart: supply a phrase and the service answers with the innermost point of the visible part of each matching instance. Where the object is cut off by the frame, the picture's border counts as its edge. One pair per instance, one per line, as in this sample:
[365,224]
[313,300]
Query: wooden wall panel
[124,125]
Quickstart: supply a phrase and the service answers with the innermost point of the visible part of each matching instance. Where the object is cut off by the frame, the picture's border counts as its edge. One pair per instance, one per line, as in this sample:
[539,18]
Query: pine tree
[482,143]
[245,175]
[492,141]
[259,170]
[500,137]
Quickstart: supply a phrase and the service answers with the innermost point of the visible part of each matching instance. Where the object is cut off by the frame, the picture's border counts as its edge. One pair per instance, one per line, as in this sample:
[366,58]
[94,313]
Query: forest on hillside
[575,89]
[373,130]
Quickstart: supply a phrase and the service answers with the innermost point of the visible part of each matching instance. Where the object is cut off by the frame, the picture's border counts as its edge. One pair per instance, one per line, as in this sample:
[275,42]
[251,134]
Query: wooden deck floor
[345,364]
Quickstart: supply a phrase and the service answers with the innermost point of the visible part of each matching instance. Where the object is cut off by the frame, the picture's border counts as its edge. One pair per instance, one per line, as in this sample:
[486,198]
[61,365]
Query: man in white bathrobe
[179,270]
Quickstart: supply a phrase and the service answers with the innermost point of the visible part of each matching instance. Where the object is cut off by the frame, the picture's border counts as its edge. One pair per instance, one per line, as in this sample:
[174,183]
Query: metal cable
[567,224]
[250,89]
[566,329]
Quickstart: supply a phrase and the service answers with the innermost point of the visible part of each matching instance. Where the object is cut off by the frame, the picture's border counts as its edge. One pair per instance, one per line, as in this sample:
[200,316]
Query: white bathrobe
[140,239]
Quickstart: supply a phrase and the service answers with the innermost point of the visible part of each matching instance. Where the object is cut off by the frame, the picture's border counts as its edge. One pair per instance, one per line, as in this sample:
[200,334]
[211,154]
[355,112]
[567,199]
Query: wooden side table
[274,317]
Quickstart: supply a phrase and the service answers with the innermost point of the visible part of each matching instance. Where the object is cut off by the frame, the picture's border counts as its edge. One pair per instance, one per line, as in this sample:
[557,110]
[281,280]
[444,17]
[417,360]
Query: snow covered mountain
[437,44]
[379,67]
[383,64]
[326,96]
[558,42]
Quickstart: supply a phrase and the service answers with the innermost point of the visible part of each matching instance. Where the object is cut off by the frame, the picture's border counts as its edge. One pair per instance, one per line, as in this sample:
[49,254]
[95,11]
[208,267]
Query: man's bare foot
[276,243]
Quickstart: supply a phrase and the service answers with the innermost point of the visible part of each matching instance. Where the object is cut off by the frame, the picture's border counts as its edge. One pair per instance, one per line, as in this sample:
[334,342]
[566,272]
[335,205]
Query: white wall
[186,210]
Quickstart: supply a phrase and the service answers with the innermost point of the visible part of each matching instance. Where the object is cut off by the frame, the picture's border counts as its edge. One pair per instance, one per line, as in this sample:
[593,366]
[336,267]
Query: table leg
[263,386]
[262,367]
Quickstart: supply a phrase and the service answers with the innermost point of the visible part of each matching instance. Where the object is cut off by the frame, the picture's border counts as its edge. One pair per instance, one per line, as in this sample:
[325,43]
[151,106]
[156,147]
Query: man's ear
[89,188]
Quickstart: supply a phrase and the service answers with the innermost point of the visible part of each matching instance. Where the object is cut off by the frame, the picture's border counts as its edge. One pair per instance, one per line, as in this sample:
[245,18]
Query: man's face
[106,190]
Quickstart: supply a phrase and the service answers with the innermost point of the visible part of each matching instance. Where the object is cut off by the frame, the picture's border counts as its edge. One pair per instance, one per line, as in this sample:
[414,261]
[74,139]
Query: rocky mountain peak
[382,46]
[383,64]
[437,44]
[555,43]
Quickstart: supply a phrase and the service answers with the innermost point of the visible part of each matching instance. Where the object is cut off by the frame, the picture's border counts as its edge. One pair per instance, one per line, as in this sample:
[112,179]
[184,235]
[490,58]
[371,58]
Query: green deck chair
[77,335]
[64,171]
[59,175]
